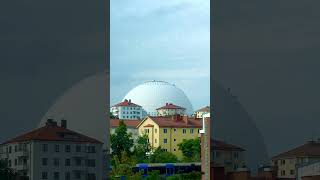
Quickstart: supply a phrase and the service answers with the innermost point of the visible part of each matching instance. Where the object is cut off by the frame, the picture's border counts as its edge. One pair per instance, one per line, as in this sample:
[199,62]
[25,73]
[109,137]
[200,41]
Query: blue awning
[169,166]
[143,166]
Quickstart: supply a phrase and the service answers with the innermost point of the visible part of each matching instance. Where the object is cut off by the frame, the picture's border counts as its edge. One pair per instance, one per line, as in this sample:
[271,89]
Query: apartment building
[128,110]
[199,113]
[54,152]
[286,163]
[229,156]
[169,131]
[170,109]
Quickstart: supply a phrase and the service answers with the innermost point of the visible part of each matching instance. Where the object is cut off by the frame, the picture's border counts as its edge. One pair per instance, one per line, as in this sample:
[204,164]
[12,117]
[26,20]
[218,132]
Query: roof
[171,106]
[127,103]
[129,123]
[309,149]
[175,121]
[220,145]
[204,109]
[53,132]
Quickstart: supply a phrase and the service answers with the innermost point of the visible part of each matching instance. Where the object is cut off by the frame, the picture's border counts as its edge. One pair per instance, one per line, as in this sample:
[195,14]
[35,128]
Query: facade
[154,94]
[167,132]
[199,113]
[128,110]
[309,171]
[286,163]
[53,152]
[170,109]
[225,155]
[131,126]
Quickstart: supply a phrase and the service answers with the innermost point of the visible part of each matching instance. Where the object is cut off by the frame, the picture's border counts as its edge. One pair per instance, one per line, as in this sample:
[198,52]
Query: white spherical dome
[154,94]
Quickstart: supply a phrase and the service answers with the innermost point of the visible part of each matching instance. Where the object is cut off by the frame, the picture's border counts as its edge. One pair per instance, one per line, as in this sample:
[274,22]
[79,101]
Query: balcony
[22,153]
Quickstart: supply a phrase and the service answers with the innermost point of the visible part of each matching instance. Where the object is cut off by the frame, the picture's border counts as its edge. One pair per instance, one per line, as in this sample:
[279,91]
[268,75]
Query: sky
[160,40]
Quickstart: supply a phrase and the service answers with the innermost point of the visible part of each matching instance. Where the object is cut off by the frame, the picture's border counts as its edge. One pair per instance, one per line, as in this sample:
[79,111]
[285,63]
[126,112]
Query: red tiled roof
[130,123]
[220,145]
[127,103]
[170,106]
[53,133]
[176,121]
[309,149]
[149,125]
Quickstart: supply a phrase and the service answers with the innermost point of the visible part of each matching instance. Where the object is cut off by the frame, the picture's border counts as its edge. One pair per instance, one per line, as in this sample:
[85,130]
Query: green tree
[191,149]
[112,116]
[6,173]
[121,140]
[141,148]
[162,156]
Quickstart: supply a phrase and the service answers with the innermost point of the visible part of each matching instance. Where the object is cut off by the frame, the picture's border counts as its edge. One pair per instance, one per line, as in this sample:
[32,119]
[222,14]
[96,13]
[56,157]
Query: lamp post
[205,146]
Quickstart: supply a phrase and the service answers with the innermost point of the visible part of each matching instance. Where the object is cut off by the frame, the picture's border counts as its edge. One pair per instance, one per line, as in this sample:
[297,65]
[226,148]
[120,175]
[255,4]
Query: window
[15,162]
[283,173]
[174,129]
[56,147]
[44,175]
[67,148]
[77,174]
[10,149]
[15,148]
[236,155]
[165,141]
[44,147]
[56,175]
[91,176]
[67,162]
[78,162]
[174,149]
[235,166]
[174,140]
[91,149]
[56,162]
[9,163]
[146,130]
[291,172]
[90,163]
[164,130]
[155,140]
[191,131]
[166,150]
[44,161]
[283,162]
[78,148]
[155,130]
[67,176]
[184,131]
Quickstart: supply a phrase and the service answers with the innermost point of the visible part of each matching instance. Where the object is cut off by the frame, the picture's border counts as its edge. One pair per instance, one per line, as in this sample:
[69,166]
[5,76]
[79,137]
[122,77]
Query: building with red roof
[54,152]
[127,110]
[170,109]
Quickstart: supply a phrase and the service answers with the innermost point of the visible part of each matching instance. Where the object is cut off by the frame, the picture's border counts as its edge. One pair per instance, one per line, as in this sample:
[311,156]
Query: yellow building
[286,163]
[169,131]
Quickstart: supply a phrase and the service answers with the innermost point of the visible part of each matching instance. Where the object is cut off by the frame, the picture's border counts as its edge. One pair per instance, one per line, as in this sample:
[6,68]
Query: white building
[199,113]
[309,170]
[170,109]
[128,110]
[54,152]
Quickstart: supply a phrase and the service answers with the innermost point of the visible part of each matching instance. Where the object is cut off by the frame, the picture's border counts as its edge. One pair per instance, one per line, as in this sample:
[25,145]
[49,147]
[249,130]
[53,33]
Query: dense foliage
[121,140]
[191,149]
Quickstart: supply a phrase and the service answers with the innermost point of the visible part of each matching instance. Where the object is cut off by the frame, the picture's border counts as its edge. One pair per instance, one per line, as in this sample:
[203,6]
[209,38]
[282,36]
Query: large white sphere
[154,94]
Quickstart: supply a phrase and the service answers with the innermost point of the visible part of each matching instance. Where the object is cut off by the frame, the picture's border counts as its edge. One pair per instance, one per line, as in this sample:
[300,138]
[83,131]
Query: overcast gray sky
[161,40]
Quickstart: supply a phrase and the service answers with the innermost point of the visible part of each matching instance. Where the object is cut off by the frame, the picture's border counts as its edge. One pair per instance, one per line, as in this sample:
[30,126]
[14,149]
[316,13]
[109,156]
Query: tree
[6,173]
[112,116]
[162,156]
[141,148]
[121,141]
[191,149]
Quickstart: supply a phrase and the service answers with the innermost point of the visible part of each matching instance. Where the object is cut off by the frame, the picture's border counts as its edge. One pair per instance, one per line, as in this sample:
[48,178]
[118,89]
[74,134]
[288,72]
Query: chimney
[51,122]
[63,123]
[129,100]
[185,119]
[166,104]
